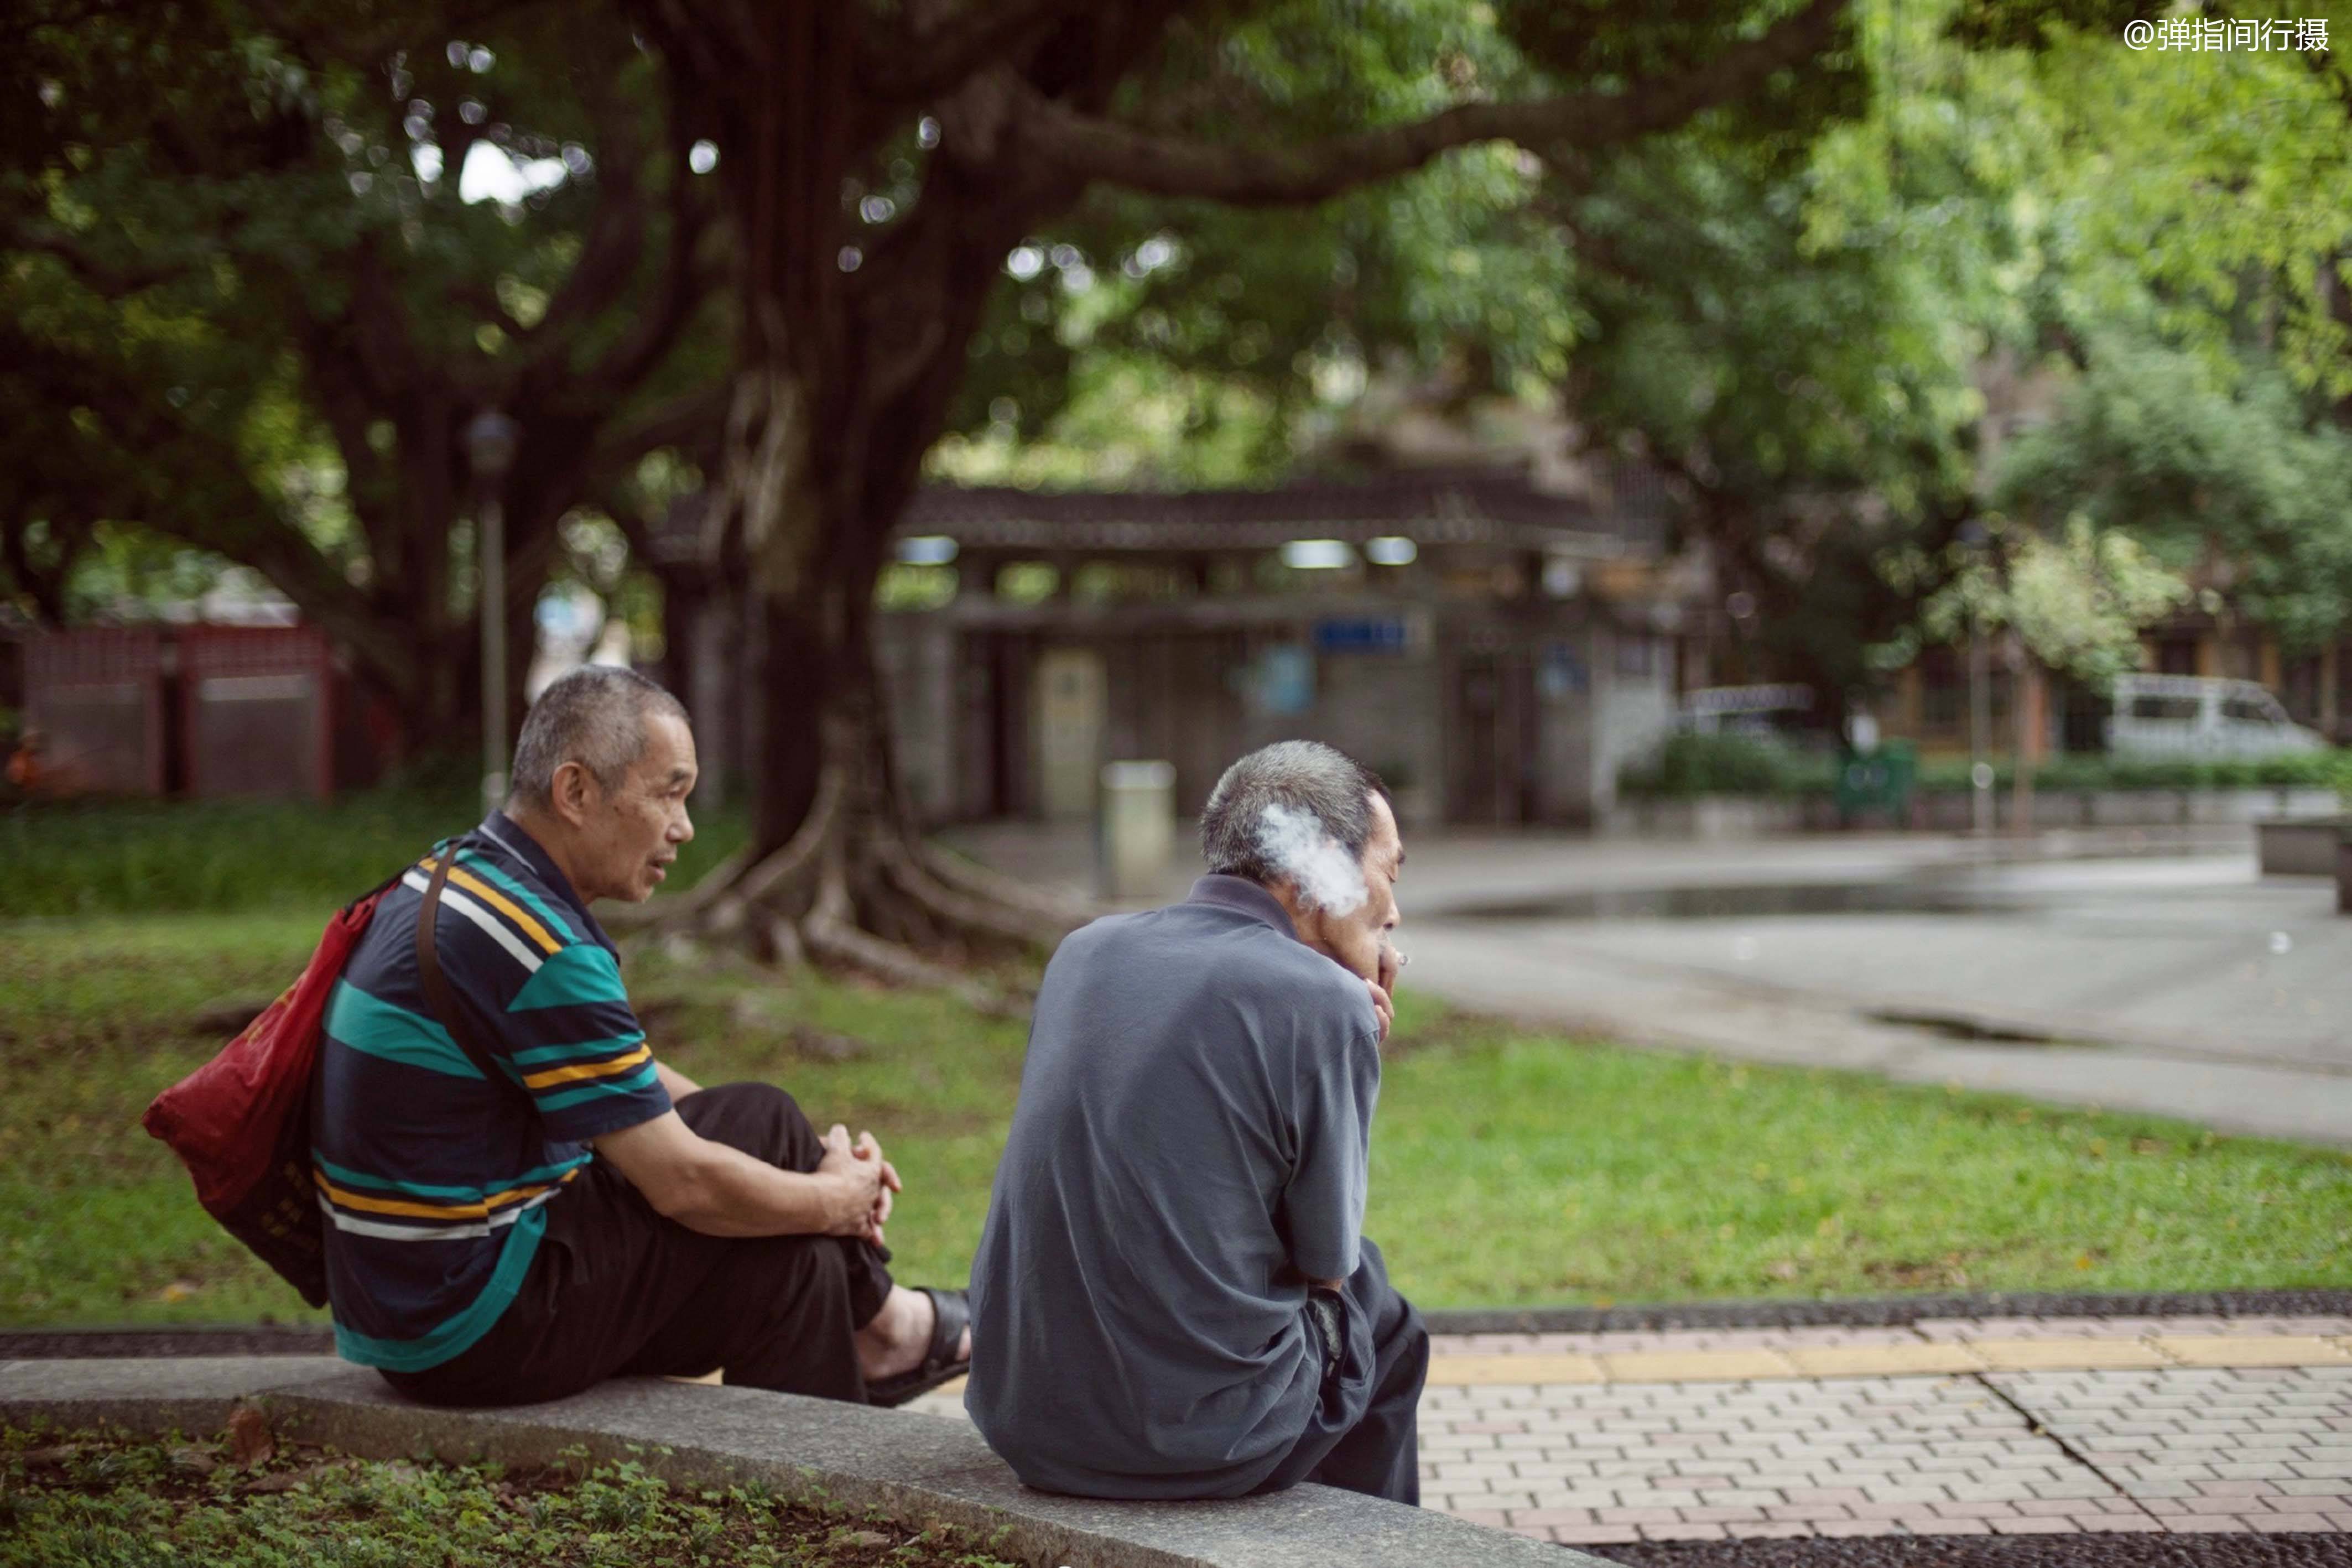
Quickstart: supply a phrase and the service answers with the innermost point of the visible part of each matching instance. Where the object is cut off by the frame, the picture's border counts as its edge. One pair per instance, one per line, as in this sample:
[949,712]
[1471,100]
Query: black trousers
[1385,1345]
[616,1287]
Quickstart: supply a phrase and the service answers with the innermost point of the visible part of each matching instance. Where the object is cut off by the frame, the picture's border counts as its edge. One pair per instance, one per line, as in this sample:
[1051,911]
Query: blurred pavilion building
[1495,640]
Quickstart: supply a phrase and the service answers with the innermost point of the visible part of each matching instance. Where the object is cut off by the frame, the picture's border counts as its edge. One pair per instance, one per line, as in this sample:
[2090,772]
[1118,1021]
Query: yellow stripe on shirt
[555,1075]
[345,1198]
[411,1209]
[499,901]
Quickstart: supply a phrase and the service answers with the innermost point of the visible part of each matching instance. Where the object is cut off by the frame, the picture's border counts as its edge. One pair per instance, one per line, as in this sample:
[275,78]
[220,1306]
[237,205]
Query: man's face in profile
[635,831]
[1355,939]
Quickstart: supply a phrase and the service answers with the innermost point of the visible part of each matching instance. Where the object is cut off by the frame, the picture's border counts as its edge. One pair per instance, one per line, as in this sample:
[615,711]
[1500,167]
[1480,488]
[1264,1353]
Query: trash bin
[1139,827]
[1879,779]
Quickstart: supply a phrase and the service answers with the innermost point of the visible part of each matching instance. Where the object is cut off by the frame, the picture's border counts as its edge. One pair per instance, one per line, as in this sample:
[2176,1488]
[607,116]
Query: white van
[2192,715]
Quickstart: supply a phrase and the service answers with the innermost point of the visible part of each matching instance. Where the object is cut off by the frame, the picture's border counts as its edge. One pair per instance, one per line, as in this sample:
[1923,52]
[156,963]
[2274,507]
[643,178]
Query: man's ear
[571,792]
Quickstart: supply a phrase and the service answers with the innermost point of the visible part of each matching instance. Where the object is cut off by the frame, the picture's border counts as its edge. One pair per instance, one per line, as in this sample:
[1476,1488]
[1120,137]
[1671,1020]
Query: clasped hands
[861,1184]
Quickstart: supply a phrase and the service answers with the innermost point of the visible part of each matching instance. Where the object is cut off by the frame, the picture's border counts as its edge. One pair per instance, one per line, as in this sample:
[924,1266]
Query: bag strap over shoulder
[435,985]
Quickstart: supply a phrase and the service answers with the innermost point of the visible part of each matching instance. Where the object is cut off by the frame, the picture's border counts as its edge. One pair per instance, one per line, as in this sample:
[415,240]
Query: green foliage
[251,308]
[2077,598]
[2094,770]
[2157,442]
[1694,765]
[1689,764]
[1152,330]
[106,1499]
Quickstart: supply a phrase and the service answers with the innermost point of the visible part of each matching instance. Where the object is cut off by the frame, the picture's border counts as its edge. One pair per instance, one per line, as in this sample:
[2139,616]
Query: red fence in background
[254,702]
[211,710]
[96,698]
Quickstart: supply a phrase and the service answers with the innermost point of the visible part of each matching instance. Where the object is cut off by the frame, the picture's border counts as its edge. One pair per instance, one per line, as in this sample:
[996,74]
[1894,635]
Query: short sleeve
[570,1040]
[1338,1084]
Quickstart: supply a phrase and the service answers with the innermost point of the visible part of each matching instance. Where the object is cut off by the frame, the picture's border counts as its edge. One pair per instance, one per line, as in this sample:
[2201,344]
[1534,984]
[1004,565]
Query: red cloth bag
[241,1122]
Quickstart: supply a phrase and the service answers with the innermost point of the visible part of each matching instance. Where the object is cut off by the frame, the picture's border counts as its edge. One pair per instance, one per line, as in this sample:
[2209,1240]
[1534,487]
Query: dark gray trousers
[1384,1343]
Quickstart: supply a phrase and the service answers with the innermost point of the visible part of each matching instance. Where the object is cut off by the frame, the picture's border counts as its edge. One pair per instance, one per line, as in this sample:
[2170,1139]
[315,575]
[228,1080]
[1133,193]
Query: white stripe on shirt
[482,917]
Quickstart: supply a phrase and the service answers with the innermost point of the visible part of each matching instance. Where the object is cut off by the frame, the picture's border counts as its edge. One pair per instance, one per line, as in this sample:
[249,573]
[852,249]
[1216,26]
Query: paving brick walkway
[2019,1427]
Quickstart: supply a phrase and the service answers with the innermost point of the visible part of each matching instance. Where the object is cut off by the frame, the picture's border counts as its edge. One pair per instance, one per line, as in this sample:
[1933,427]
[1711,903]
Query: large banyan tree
[988,122]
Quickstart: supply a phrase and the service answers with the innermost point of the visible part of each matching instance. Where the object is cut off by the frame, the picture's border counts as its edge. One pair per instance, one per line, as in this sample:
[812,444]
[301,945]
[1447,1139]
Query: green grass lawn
[1509,1167]
[85,858]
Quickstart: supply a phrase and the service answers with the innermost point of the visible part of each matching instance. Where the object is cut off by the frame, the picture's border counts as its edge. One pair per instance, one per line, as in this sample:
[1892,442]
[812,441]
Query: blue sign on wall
[1283,682]
[1362,635]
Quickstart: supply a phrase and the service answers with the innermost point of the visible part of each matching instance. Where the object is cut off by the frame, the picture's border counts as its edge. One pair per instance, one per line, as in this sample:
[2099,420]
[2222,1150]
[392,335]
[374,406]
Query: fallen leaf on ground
[249,1443]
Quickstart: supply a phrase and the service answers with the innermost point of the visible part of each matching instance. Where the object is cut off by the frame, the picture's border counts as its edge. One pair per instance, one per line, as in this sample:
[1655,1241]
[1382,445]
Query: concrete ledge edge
[1882,1312]
[1829,1311]
[913,1468]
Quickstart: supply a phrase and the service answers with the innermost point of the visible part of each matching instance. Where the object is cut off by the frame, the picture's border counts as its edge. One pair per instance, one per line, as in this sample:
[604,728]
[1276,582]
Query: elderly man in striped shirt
[521,1199]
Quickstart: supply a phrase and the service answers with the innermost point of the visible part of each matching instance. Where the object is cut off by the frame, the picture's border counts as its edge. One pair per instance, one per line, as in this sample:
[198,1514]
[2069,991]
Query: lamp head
[490,439]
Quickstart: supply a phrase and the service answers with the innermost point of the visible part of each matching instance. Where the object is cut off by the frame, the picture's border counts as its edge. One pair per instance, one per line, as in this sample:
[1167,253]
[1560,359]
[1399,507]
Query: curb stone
[1862,1312]
[912,1467]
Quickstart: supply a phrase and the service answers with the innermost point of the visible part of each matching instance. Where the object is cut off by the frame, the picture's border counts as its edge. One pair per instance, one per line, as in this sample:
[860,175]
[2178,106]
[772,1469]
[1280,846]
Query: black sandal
[952,1316]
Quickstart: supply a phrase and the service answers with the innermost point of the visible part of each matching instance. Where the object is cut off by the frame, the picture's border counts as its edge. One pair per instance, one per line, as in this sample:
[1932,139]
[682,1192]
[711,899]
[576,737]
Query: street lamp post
[1975,537]
[490,438]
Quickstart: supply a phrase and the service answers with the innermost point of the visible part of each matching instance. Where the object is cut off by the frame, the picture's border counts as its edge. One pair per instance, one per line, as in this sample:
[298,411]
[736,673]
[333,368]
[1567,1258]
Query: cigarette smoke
[1295,843]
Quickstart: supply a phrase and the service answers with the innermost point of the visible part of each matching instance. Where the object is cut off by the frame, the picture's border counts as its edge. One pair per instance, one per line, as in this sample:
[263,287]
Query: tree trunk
[855,341]
[838,868]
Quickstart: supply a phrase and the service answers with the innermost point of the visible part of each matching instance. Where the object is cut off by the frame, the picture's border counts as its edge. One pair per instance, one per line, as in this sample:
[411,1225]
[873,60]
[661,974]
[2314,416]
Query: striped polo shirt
[434,1181]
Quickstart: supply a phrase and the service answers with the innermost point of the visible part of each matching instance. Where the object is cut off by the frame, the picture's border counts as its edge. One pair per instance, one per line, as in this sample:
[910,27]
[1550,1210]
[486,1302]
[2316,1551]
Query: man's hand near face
[1383,988]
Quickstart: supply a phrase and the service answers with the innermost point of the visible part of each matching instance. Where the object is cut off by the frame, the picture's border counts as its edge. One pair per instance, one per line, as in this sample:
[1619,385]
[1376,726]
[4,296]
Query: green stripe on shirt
[643,1077]
[540,1055]
[350,1177]
[578,976]
[376,1028]
[457,1334]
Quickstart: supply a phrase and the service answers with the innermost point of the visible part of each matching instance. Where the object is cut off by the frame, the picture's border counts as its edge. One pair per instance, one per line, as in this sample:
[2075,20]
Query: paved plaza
[2149,970]
[1952,1427]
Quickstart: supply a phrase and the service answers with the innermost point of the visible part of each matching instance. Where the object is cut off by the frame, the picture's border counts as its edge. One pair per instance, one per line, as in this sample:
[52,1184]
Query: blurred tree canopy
[2238,480]
[266,260]
[884,169]
[2195,302]
[266,257]
[1779,304]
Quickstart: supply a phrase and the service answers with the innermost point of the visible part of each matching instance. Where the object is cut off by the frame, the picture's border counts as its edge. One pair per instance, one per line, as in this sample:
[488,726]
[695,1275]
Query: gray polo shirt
[1189,1147]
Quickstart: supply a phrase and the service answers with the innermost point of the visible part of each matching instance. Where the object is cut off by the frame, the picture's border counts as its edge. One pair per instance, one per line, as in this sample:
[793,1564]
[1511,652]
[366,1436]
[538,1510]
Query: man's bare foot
[894,1343]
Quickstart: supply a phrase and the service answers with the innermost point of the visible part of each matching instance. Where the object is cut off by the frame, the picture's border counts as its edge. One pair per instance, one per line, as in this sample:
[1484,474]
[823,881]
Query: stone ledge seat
[912,1466]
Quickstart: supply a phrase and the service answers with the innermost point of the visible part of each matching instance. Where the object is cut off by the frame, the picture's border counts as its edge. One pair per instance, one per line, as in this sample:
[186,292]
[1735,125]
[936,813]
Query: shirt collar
[510,836]
[1243,896]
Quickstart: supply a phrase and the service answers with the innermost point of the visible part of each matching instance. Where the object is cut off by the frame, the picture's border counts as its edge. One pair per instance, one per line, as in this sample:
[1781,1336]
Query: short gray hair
[1301,777]
[595,715]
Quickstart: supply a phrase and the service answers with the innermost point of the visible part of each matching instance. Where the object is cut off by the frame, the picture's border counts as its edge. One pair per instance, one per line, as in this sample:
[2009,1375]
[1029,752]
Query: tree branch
[112,281]
[677,295]
[1096,148]
[936,58]
[614,242]
[675,423]
[190,483]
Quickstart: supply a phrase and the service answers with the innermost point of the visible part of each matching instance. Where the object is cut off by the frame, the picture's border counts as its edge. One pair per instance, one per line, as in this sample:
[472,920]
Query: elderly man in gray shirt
[1173,1297]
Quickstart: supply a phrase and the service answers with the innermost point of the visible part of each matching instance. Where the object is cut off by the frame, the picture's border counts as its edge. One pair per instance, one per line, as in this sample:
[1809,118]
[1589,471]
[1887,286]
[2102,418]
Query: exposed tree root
[831,933]
[851,890]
